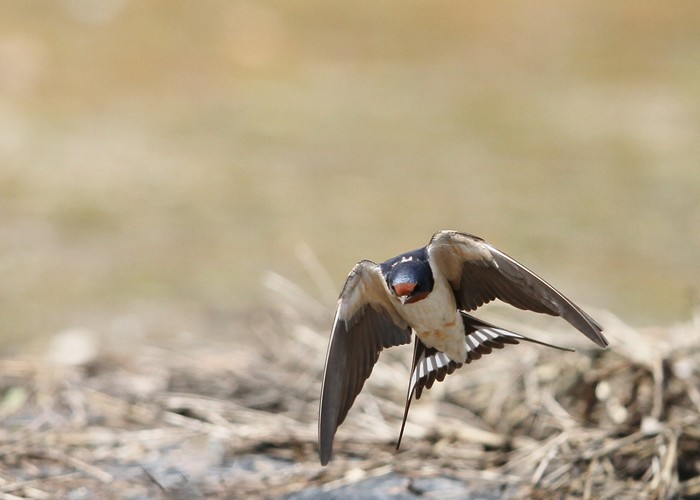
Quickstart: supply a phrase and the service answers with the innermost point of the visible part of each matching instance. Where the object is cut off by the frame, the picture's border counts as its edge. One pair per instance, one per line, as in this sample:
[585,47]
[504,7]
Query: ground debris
[238,419]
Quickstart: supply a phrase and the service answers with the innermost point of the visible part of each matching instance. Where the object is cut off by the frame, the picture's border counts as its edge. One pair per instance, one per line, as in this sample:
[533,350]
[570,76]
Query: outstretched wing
[431,365]
[480,273]
[365,323]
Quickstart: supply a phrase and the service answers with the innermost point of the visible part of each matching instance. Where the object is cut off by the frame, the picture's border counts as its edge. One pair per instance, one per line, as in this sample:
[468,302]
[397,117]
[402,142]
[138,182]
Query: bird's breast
[448,338]
[437,322]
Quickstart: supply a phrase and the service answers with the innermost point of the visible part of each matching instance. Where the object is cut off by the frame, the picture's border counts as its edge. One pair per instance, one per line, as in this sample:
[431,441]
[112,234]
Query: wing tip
[593,330]
[325,445]
[600,340]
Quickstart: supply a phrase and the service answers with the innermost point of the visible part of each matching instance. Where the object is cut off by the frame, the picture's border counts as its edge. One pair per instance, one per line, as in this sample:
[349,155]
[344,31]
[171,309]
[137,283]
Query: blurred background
[157,158]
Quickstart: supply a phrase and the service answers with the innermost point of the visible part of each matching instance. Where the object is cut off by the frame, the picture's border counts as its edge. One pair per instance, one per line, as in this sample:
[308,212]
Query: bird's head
[410,280]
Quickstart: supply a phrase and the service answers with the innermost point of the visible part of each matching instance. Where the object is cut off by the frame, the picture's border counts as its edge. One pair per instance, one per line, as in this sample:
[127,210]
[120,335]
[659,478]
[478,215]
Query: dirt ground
[216,419]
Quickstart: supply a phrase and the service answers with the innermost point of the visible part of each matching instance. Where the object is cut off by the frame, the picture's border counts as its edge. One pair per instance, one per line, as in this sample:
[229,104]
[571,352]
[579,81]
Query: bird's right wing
[365,322]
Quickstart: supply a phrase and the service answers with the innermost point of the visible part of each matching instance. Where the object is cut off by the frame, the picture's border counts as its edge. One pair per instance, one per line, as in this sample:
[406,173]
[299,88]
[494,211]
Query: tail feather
[430,365]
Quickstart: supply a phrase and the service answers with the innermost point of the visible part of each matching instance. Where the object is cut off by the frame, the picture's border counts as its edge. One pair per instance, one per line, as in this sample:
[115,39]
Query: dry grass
[228,420]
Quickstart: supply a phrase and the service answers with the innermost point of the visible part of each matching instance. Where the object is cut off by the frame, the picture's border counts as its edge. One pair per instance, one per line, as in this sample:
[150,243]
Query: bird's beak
[403,299]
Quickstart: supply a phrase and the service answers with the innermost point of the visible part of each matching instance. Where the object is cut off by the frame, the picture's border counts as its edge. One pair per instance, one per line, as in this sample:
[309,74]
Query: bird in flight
[429,291]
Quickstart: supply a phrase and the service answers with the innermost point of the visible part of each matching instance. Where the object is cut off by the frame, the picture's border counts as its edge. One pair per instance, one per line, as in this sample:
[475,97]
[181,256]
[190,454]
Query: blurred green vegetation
[157,157]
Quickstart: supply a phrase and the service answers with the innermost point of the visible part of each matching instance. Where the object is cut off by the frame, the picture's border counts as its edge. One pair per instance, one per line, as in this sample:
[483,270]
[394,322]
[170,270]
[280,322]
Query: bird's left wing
[365,322]
[478,273]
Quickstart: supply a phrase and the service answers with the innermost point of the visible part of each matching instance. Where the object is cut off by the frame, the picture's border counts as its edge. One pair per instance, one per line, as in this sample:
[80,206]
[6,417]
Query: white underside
[436,321]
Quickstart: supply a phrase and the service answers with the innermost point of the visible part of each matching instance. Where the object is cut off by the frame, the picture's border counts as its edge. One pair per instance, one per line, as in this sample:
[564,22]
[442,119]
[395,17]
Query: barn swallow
[429,291]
